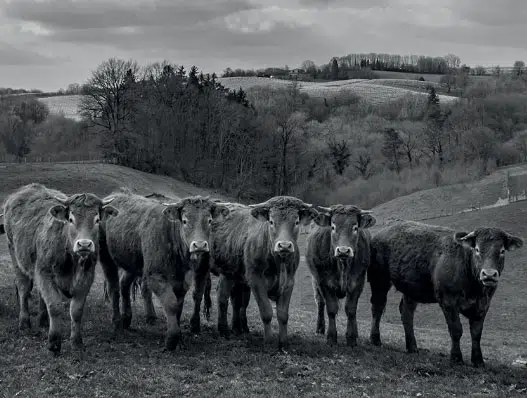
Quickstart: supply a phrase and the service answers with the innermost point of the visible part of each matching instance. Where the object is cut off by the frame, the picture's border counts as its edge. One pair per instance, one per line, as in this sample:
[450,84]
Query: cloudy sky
[48,44]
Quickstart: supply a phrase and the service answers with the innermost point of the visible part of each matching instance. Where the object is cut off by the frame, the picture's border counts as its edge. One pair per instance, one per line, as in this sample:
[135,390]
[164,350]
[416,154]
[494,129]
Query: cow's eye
[210,221]
[333,228]
[502,252]
[271,222]
[355,228]
[477,250]
[185,221]
[71,220]
[297,222]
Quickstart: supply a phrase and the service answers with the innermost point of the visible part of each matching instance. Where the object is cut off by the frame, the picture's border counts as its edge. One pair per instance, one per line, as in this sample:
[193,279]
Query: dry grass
[66,105]
[210,366]
[367,90]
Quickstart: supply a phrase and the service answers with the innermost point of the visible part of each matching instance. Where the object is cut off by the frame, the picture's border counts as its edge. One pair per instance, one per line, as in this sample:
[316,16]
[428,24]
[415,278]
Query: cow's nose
[343,251]
[284,246]
[84,245]
[199,246]
[489,274]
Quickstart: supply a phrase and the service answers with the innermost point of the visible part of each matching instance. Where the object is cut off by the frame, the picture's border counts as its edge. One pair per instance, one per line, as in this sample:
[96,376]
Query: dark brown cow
[431,264]
[54,241]
[165,244]
[338,256]
[256,251]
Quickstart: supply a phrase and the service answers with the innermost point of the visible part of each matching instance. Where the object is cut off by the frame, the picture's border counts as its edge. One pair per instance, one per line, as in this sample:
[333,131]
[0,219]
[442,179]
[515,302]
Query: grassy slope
[448,199]
[211,366]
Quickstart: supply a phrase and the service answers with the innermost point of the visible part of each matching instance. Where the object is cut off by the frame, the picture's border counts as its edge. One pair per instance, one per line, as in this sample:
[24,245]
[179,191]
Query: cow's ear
[108,211]
[307,215]
[323,219]
[220,211]
[59,212]
[367,221]
[173,212]
[261,213]
[513,242]
[466,238]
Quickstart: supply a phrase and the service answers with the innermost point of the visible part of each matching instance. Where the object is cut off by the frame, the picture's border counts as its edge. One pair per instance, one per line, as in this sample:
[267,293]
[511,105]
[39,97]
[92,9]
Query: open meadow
[208,365]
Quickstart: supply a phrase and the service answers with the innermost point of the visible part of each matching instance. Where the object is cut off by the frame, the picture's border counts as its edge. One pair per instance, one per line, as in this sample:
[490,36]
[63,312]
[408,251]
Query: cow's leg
[258,288]
[150,311]
[43,320]
[456,331]
[207,305]
[332,308]
[319,300]
[407,308]
[111,273]
[237,300]
[200,280]
[53,300]
[126,281]
[225,285]
[476,328]
[246,297]
[282,313]
[24,285]
[82,289]
[379,296]
[352,299]
[165,293]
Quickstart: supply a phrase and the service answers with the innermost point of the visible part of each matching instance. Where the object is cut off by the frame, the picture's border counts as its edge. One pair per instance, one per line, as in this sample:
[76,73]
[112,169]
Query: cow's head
[82,214]
[195,216]
[284,215]
[488,247]
[345,222]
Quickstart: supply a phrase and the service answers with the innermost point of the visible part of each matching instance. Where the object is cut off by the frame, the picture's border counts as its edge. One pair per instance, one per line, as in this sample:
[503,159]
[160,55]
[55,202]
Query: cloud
[12,56]
[214,34]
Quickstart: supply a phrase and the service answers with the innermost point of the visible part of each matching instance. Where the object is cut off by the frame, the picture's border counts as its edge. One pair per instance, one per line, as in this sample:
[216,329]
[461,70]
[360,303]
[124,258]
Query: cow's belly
[416,285]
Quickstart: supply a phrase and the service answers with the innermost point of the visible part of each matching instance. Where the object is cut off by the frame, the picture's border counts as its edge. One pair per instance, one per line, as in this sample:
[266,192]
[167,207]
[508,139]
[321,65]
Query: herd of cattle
[55,242]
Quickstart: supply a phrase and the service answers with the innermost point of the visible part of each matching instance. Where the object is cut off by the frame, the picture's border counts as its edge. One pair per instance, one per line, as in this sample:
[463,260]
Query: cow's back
[229,237]
[123,238]
[407,253]
[28,223]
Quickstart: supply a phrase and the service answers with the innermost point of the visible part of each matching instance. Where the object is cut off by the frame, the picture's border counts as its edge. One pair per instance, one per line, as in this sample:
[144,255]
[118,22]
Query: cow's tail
[106,292]
[282,279]
[136,284]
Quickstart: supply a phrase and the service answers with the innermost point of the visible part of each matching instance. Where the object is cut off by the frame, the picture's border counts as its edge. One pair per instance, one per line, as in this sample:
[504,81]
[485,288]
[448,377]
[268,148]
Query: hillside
[98,178]
[208,365]
[63,104]
[374,92]
[450,199]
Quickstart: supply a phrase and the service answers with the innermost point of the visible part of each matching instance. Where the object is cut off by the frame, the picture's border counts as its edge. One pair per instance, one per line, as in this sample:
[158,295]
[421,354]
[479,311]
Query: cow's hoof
[412,350]
[351,341]
[172,341]
[478,364]
[456,360]
[54,344]
[77,345]
[126,321]
[24,324]
[224,331]
[195,327]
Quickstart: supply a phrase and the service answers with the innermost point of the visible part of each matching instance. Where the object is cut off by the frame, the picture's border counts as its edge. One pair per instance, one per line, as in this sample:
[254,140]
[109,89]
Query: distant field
[63,104]
[408,76]
[375,92]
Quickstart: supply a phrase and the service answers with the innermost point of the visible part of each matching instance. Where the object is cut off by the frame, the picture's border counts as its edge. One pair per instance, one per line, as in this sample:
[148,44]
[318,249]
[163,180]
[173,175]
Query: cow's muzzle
[343,252]
[489,277]
[84,247]
[284,247]
[199,246]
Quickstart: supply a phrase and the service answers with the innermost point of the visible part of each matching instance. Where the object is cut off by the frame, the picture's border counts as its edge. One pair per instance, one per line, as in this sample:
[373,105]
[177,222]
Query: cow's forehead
[284,212]
[345,219]
[196,210]
[489,237]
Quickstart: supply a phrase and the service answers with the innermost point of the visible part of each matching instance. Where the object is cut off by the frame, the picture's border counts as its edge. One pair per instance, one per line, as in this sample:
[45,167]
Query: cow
[430,264]
[338,256]
[255,250]
[129,280]
[165,244]
[53,241]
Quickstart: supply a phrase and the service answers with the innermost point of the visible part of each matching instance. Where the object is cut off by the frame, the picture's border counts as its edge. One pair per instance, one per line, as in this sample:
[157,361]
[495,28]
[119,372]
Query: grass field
[208,365]
[374,92]
[63,105]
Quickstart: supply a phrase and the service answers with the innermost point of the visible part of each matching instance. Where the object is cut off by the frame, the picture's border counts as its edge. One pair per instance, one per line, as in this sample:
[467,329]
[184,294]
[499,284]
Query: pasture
[207,365]
[65,105]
